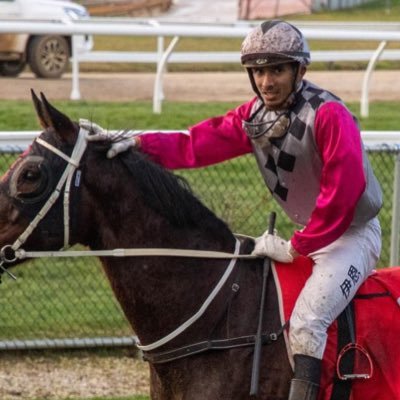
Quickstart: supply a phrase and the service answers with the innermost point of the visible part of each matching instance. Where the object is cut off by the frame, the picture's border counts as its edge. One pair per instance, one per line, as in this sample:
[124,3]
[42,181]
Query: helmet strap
[253,84]
[290,99]
[296,70]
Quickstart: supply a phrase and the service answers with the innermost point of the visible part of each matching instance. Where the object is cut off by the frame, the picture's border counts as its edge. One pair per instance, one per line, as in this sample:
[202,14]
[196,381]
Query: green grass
[52,297]
[20,115]
[113,115]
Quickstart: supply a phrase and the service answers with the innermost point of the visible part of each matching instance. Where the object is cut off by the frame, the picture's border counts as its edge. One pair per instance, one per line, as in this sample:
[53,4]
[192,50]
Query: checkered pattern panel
[307,101]
[285,162]
[297,128]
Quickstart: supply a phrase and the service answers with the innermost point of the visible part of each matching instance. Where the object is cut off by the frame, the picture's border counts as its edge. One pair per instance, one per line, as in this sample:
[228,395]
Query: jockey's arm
[342,179]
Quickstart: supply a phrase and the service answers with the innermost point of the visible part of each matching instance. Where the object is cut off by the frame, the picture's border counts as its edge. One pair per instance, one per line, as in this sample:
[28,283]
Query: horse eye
[32,182]
[31,175]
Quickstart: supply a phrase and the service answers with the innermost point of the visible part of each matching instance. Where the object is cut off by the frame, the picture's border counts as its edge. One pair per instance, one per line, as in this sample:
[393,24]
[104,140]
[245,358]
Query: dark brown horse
[195,317]
[129,202]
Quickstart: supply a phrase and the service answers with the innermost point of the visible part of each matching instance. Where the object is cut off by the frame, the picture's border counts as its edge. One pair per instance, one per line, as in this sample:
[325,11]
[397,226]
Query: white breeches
[338,271]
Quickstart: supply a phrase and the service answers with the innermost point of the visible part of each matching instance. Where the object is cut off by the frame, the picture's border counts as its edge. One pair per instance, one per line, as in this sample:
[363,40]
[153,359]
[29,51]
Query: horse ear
[40,112]
[55,119]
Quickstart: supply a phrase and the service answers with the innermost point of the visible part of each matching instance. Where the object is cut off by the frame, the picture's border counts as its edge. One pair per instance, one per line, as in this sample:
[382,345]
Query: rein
[14,252]
[157,252]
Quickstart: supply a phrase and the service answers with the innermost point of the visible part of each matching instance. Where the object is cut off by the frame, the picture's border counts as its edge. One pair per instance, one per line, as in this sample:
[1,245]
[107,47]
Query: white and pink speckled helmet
[274,42]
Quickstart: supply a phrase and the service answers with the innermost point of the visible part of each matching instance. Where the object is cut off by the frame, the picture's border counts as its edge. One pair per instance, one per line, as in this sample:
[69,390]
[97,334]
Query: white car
[47,55]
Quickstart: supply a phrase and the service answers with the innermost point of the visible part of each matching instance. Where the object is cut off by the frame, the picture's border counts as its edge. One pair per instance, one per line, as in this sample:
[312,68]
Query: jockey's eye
[258,71]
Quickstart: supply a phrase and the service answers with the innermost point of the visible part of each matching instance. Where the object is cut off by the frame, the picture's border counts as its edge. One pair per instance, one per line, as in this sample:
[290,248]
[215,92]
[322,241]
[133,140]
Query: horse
[183,279]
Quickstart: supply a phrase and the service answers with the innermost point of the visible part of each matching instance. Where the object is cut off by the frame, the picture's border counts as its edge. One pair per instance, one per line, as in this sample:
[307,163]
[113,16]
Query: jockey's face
[275,83]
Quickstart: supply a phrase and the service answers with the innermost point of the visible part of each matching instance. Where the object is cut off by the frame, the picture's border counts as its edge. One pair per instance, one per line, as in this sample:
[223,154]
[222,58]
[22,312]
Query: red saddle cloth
[377,328]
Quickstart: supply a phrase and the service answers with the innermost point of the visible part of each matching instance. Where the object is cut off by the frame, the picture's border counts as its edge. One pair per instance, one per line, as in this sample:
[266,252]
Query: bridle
[10,253]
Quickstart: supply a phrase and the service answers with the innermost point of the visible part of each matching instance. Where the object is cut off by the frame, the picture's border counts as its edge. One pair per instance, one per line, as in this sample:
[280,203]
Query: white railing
[378,32]
[22,139]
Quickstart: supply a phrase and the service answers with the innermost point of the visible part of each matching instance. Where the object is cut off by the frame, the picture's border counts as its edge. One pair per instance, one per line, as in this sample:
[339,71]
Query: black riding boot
[307,375]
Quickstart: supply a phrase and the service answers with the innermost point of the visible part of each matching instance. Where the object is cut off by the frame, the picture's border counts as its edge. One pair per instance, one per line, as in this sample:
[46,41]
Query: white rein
[66,178]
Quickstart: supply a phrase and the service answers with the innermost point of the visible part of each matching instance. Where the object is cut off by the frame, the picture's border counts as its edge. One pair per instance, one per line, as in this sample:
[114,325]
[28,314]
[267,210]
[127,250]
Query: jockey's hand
[120,141]
[274,247]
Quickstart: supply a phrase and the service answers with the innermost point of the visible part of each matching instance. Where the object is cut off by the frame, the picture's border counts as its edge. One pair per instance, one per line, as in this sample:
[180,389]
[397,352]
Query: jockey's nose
[267,81]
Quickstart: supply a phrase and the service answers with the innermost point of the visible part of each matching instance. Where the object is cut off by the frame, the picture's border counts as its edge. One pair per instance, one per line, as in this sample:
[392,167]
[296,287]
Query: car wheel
[48,56]
[11,68]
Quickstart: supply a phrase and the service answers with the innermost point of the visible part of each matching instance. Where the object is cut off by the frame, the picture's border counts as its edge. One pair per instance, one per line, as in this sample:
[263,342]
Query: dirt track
[49,377]
[202,87]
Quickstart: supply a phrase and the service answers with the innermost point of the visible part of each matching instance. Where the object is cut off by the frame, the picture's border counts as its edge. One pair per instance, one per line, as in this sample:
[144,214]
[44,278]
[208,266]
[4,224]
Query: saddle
[362,356]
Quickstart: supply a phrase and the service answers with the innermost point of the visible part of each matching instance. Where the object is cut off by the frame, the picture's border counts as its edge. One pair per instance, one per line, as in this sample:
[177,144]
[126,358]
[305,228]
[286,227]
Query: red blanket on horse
[377,329]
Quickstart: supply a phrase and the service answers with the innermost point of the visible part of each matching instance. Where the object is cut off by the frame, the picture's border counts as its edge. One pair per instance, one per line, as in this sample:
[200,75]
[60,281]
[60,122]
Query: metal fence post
[394,237]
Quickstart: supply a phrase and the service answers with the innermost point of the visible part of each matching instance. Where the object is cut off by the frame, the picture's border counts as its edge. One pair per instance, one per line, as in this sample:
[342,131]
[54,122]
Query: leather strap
[346,329]
[215,344]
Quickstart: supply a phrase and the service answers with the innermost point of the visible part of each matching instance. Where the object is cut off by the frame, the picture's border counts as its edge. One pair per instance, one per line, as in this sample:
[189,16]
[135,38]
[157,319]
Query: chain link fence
[67,302]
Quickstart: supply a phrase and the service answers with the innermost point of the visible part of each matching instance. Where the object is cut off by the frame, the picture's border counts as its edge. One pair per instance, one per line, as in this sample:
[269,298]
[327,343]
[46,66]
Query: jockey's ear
[300,73]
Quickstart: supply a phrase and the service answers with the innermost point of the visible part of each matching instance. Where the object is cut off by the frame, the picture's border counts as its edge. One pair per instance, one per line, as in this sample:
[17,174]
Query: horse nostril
[13,215]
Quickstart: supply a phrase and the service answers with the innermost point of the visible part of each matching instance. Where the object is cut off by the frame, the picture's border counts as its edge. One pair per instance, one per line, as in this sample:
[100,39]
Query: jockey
[311,157]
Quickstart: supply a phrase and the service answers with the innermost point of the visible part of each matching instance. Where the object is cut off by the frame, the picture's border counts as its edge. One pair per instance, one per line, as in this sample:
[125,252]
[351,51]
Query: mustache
[267,89]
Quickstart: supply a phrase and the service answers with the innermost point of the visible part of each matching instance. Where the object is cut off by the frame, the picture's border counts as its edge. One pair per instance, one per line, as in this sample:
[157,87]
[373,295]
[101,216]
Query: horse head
[26,187]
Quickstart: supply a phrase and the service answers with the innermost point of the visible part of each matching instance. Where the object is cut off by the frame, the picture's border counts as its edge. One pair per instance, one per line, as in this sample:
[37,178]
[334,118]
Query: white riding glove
[274,247]
[120,141]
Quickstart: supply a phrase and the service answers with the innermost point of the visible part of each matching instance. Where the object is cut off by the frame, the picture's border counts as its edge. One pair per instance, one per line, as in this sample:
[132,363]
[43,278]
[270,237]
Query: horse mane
[168,194]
